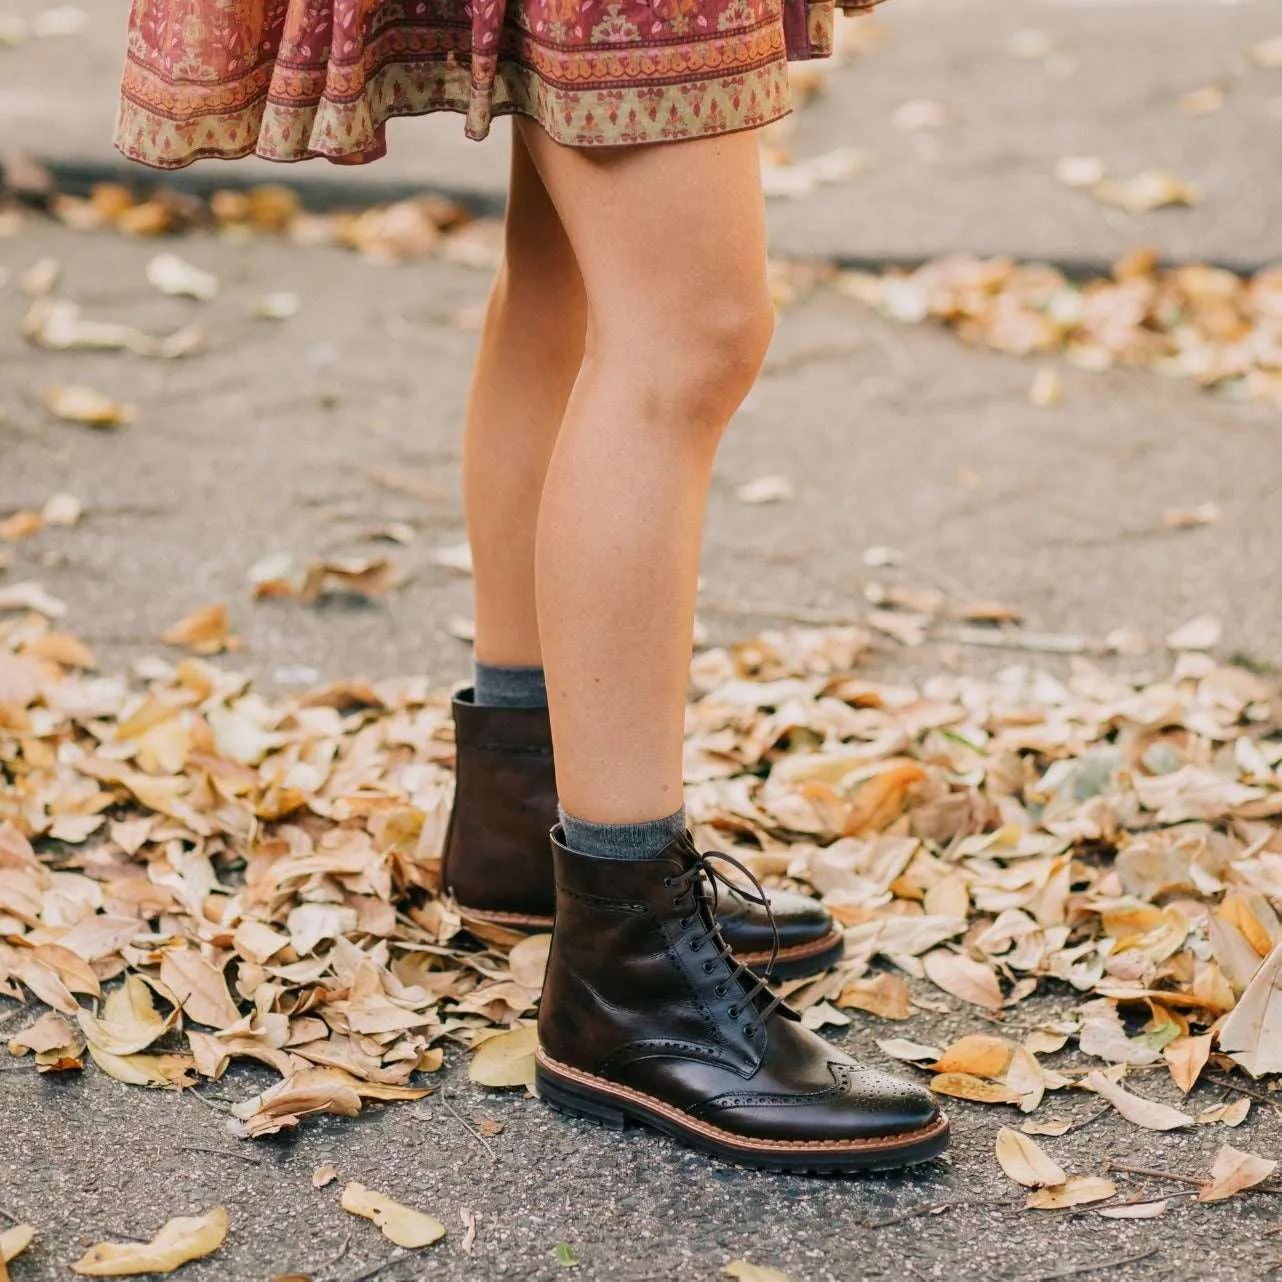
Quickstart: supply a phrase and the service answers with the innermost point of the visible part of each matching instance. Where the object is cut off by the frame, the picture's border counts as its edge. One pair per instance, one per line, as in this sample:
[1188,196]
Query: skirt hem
[737,82]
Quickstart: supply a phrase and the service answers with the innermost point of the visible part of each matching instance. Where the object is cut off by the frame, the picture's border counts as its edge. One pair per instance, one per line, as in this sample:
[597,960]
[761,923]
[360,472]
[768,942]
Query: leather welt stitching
[902,1140]
[795,950]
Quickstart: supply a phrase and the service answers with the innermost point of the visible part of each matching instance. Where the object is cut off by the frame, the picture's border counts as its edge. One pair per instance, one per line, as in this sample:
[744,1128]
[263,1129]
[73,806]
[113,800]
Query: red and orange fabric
[290,79]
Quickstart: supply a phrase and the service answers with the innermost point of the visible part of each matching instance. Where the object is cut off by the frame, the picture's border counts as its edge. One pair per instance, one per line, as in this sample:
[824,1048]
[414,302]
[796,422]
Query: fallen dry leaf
[324,1175]
[1077,1191]
[370,578]
[173,275]
[746,1272]
[128,1022]
[1187,1058]
[914,1052]
[199,988]
[1233,1113]
[205,631]
[970,980]
[977,1089]
[1134,1210]
[1047,389]
[1147,191]
[1143,1112]
[1267,53]
[1051,1126]
[400,1224]
[1202,633]
[505,1060]
[1232,1171]
[15,1240]
[766,489]
[1026,1162]
[84,405]
[181,1239]
[979,1054]
[1252,1033]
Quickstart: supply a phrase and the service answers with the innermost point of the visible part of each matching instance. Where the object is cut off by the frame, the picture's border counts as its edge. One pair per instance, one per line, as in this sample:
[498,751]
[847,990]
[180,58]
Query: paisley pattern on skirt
[290,79]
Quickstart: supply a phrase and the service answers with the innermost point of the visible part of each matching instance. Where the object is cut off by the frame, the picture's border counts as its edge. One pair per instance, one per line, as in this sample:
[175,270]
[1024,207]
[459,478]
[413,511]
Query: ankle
[506,686]
[641,840]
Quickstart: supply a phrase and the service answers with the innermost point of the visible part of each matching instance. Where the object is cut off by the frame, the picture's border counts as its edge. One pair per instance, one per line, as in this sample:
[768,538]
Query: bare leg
[531,349]
[670,241]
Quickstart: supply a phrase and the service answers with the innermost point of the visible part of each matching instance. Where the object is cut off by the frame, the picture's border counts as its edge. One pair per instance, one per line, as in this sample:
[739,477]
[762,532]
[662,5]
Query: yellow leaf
[529,960]
[965,1086]
[913,1052]
[1073,1192]
[199,987]
[979,1054]
[1134,1210]
[284,1105]
[883,994]
[880,801]
[1051,1126]
[505,1060]
[1047,390]
[84,405]
[129,1021]
[145,1070]
[1024,1160]
[1186,1057]
[48,1033]
[400,1224]
[16,1240]
[746,1272]
[324,1175]
[181,1239]
[1232,1171]
[1143,1112]
[1252,1033]
[972,981]
[1231,1114]
[204,631]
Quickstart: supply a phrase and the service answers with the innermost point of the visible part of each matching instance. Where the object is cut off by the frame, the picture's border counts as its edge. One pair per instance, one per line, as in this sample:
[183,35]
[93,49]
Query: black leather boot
[646,1017]
[498,867]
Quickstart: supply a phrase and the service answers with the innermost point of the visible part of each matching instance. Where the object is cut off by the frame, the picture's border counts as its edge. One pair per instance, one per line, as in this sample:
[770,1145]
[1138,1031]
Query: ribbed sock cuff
[622,841]
[502,687]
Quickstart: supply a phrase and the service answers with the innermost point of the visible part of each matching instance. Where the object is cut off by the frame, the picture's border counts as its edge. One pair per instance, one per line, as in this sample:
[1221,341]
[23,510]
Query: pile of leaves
[191,873]
[1207,324]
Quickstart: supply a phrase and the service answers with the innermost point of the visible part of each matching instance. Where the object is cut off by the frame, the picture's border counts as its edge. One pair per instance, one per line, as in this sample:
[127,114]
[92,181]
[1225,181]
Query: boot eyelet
[709,967]
[676,901]
[667,881]
[695,945]
[748,1030]
[733,1012]
[685,924]
[720,990]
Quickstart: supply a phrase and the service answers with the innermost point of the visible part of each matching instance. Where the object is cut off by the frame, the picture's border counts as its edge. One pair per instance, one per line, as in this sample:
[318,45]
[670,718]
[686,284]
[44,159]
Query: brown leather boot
[498,866]
[646,1017]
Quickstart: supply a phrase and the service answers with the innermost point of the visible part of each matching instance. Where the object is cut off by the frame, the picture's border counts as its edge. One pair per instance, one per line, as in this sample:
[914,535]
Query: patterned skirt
[291,79]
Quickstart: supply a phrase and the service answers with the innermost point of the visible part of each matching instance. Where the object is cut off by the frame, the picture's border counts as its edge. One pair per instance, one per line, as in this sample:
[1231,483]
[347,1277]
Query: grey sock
[622,841]
[501,687]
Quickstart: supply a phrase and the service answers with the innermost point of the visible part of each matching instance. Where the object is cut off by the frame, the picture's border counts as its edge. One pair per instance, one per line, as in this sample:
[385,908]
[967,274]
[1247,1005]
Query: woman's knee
[703,359]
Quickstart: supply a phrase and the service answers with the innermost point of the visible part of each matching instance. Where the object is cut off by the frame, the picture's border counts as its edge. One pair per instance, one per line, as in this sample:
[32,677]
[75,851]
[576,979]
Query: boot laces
[701,881]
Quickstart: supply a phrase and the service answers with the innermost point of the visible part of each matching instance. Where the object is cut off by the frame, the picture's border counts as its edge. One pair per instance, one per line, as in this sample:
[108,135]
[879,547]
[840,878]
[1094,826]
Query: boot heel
[567,1098]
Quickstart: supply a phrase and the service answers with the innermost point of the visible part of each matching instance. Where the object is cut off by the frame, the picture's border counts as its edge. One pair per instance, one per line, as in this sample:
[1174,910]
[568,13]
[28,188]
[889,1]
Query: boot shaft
[626,960]
[496,856]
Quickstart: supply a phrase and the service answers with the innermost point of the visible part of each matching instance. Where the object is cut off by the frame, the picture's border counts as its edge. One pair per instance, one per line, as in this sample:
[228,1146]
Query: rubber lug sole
[579,1094]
